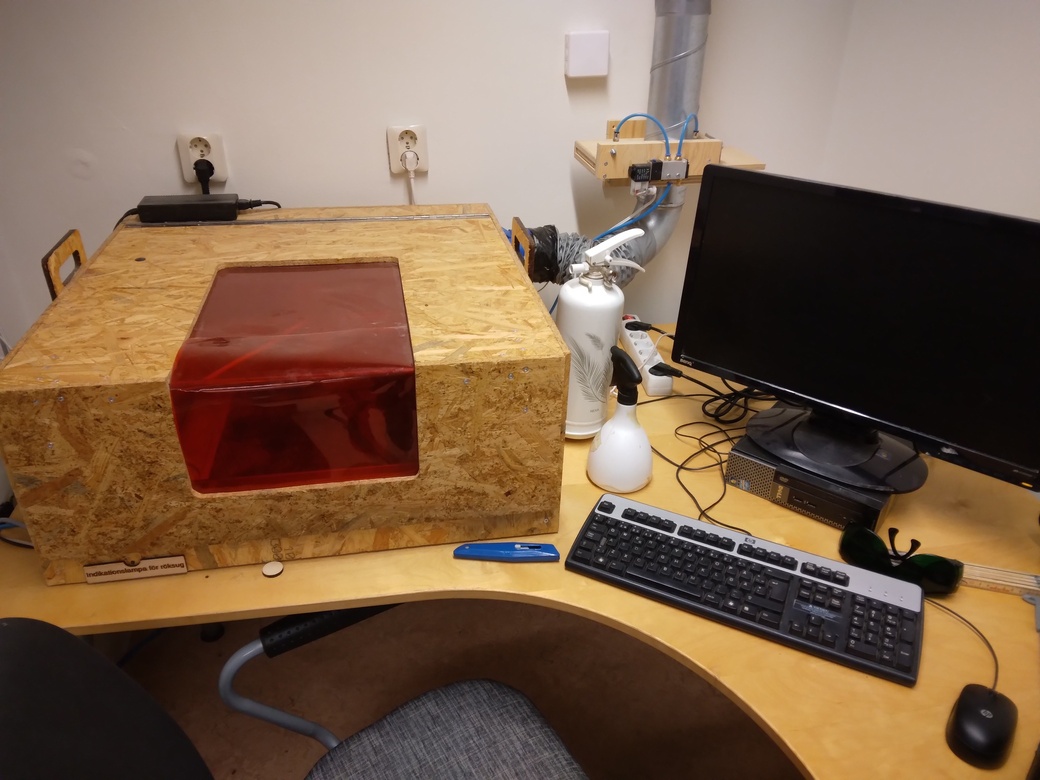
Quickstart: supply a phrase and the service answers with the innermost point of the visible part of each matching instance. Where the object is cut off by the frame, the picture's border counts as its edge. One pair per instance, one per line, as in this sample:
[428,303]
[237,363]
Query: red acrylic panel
[297,375]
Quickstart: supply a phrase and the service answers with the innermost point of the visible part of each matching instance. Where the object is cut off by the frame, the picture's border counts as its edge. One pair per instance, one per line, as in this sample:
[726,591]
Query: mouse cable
[969,624]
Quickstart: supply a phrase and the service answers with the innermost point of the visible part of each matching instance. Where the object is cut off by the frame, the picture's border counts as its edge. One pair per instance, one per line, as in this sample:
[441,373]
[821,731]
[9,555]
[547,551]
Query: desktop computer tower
[752,469]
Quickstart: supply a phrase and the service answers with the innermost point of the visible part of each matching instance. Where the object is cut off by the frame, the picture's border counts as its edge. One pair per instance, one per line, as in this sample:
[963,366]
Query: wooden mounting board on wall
[596,157]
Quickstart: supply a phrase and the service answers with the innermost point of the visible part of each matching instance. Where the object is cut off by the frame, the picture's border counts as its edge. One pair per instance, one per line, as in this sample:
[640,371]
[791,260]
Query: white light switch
[586,54]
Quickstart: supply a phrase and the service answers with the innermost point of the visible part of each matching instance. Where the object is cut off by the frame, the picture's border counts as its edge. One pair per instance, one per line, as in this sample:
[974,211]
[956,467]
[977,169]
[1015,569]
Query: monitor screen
[868,314]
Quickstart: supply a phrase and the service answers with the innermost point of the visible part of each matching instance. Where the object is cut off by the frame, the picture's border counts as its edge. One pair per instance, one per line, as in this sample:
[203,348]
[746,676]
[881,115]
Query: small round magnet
[272,568]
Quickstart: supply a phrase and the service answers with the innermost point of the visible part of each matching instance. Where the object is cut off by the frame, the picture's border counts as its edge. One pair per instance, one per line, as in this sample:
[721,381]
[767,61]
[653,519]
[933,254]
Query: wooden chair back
[70,245]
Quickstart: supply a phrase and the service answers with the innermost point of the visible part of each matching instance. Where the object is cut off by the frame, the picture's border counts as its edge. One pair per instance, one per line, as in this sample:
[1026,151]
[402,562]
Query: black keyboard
[858,618]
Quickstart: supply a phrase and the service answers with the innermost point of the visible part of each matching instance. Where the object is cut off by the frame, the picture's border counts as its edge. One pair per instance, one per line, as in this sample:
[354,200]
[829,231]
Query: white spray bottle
[588,317]
[620,458]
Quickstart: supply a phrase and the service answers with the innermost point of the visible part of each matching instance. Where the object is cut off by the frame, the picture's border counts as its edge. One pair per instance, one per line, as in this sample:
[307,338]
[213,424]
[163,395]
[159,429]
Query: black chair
[67,711]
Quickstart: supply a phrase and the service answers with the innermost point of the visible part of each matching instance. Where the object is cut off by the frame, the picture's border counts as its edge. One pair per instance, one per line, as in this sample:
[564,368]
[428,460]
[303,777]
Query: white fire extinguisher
[588,317]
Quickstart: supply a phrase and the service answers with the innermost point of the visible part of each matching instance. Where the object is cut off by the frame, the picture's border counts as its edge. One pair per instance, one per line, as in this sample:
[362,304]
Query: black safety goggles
[862,547]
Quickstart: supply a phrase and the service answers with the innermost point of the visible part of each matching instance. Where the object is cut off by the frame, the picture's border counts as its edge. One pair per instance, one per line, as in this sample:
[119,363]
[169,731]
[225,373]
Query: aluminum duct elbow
[657,225]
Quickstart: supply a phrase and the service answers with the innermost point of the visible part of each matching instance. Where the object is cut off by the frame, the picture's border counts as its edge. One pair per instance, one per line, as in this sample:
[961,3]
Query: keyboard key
[904,658]
[862,649]
[777,591]
[767,618]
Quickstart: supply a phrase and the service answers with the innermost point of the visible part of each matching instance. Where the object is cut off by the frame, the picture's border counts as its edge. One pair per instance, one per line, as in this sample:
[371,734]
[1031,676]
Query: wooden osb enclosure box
[86,424]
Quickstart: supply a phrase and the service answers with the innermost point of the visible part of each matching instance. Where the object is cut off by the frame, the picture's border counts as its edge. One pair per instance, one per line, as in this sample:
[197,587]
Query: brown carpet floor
[623,709]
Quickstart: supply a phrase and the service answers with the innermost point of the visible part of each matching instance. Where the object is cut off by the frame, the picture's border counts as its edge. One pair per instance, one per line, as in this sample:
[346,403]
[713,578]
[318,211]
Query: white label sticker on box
[152,567]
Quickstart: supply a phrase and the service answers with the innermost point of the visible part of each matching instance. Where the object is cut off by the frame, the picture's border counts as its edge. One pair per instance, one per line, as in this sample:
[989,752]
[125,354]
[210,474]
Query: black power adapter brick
[188,208]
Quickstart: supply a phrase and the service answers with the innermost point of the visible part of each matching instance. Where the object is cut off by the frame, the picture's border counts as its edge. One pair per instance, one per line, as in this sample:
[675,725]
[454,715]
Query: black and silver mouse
[981,727]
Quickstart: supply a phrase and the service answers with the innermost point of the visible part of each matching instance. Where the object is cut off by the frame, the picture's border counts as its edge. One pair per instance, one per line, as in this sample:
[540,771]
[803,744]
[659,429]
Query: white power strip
[641,348]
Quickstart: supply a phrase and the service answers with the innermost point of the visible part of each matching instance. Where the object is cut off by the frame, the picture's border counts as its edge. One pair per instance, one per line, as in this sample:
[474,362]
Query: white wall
[931,98]
[935,99]
[940,100]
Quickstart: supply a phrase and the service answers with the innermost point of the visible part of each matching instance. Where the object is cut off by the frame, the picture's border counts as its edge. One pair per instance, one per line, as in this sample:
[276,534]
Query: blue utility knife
[510,552]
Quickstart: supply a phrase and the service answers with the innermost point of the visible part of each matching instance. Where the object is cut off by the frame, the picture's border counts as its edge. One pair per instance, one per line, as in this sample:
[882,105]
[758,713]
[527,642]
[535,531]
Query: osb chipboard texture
[86,425]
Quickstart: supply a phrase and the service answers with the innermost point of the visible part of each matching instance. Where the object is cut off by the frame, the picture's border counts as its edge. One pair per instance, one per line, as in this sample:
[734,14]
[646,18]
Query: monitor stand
[847,453]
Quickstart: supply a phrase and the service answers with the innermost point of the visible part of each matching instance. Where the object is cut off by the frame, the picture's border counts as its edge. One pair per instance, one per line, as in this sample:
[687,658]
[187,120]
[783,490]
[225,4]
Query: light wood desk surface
[833,722]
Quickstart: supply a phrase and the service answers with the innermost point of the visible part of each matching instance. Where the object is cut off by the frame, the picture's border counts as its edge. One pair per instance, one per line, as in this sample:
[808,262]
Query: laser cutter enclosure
[299,383]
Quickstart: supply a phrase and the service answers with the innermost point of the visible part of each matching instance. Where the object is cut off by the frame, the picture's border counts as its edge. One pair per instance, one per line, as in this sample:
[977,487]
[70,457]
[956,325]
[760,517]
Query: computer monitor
[887,327]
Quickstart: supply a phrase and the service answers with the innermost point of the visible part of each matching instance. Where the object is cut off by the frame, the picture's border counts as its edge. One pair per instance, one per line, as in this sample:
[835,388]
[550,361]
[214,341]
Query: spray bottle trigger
[625,372]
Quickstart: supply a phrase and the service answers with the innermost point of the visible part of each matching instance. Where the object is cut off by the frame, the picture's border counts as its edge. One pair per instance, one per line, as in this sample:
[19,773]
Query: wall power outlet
[202,147]
[407,138]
